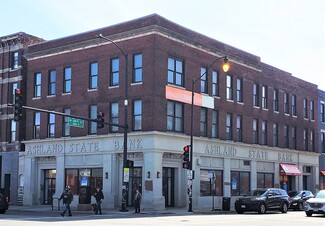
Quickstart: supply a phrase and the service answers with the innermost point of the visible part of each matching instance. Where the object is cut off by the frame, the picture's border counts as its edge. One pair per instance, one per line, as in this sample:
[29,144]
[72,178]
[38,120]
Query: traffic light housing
[186,156]
[100,120]
[18,107]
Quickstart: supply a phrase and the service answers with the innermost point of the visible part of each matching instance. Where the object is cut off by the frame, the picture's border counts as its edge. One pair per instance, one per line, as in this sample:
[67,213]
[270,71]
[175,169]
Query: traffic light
[100,120]
[186,156]
[18,109]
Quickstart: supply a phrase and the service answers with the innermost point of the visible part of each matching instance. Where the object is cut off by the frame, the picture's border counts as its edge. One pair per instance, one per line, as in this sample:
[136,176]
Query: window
[37,125]
[229,126]
[240,182]
[92,129]
[137,68]
[275,100]
[265,180]
[294,137]
[255,95]
[322,112]
[286,136]
[215,83]
[311,105]
[264,97]
[322,138]
[203,122]
[229,88]
[37,84]
[275,135]
[312,140]
[115,74]
[255,131]
[305,109]
[286,103]
[137,115]
[13,131]
[305,141]
[239,90]
[114,114]
[14,87]
[66,126]
[175,72]
[264,132]
[239,128]
[204,80]
[14,64]
[215,124]
[211,182]
[294,105]
[52,82]
[51,126]
[93,78]
[175,118]
[67,80]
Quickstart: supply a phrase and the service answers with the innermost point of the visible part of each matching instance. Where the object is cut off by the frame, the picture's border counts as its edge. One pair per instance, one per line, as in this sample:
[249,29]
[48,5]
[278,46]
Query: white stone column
[227,177]
[253,175]
[276,174]
[60,176]
[29,182]
[109,183]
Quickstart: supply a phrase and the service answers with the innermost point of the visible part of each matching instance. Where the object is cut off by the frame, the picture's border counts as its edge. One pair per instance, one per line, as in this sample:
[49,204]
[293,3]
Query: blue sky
[287,34]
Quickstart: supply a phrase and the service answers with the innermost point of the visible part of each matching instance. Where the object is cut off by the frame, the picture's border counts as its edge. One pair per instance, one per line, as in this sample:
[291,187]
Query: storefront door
[168,186]
[135,182]
[49,186]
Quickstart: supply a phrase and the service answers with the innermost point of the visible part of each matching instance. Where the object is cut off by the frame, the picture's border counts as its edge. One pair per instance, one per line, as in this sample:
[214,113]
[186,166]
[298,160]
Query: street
[292,218]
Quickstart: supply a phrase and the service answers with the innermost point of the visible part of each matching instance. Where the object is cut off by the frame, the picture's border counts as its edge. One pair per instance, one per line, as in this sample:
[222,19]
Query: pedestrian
[137,201]
[99,196]
[67,197]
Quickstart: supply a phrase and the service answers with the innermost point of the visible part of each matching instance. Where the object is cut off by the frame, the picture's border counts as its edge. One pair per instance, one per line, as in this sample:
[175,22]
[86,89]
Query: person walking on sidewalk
[137,201]
[99,196]
[67,197]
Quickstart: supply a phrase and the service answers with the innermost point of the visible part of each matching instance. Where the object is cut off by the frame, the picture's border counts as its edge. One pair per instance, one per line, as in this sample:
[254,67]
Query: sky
[287,34]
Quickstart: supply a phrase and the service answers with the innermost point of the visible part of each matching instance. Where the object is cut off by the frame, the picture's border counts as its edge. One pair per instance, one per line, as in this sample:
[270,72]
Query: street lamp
[225,68]
[124,179]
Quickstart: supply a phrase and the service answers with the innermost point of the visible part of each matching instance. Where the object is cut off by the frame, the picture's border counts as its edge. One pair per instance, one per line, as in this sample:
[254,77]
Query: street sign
[76,122]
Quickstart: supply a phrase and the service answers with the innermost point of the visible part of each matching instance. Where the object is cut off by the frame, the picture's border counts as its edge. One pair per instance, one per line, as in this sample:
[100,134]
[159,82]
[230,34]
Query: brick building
[256,127]
[321,123]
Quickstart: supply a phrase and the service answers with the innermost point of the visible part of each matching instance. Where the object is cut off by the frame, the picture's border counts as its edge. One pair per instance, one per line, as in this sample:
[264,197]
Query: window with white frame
[229,126]
[264,97]
[229,88]
[239,128]
[175,118]
[37,125]
[255,131]
[305,140]
[175,71]
[203,122]
[204,80]
[275,135]
[115,72]
[137,68]
[286,103]
[137,115]
[294,105]
[311,109]
[215,83]
[37,84]
[294,137]
[67,76]
[13,131]
[51,126]
[256,95]
[15,59]
[113,117]
[92,126]
[215,124]
[264,132]
[52,82]
[66,126]
[93,76]
[276,100]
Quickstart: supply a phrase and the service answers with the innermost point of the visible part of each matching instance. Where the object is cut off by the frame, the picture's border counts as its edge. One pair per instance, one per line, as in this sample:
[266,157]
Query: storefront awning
[323,172]
[290,170]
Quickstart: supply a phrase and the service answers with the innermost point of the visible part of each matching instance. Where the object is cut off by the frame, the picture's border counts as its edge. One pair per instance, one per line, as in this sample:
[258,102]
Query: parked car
[4,201]
[316,204]
[297,199]
[262,200]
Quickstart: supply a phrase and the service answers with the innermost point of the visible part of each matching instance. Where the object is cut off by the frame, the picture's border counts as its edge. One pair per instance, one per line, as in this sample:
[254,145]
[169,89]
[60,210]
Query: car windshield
[256,193]
[320,194]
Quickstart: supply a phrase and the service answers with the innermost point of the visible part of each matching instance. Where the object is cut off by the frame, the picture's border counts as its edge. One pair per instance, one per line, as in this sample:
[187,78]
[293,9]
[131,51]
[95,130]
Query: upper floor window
[312,140]
[37,125]
[52,82]
[294,137]
[37,84]
[239,90]
[256,95]
[215,83]
[215,124]
[264,97]
[311,108]
[175,118]
[286,136]
[14,87]
[305,108]
[67,76]
[92,129]
[264,132]
[115,72]
[175,72]
[294,105]
[305,141]
[275,135]
[286,103]
[322,138]
[275,100]
[255,131]
[203,122]
[229,88]
[13,131]
[322,112]
[137,68]
[239,128]
[51,126]
[14,63]
[137,115]
[66,126]
[204,81]
[93,77]
[114,114]
[229,126]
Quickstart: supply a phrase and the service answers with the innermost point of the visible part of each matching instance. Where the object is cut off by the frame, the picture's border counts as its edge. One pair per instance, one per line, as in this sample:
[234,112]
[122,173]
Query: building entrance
[49,186]
[168,186]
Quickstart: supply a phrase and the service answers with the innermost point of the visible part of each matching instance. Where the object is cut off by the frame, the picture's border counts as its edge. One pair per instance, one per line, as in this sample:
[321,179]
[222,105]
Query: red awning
[323,172]
[290,170]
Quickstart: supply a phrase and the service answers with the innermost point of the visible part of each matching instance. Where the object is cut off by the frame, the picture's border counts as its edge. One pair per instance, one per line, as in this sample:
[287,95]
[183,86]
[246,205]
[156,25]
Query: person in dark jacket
[99,196]
[67,197]
[137,201]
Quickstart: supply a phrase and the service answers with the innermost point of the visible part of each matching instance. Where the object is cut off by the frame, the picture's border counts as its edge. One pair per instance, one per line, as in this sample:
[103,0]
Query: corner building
[255,125]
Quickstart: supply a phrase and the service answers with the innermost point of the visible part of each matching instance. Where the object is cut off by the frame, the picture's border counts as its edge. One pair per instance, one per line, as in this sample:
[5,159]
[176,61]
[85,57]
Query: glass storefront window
[240,182]
[210,186]
[265,180]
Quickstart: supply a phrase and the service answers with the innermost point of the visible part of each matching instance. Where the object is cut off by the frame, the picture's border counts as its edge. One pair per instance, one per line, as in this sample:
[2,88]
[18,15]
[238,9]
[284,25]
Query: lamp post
[225,68]
[125,166]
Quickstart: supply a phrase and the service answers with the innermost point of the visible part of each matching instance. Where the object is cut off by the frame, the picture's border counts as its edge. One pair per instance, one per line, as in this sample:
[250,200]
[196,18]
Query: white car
[316,204]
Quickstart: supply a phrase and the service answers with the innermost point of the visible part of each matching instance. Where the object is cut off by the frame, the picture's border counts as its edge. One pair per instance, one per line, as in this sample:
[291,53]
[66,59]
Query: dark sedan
[297,199]
[262,200]
[3,201]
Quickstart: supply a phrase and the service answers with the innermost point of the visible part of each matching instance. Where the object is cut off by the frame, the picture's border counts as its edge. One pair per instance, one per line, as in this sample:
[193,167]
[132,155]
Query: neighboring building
[256,126]
[12,66]
[321,146]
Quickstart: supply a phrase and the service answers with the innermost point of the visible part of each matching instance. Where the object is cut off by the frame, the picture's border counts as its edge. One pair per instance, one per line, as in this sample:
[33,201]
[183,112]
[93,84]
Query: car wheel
[284,207]
[308,214]
[239,211]
[300,206]
[262,208]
